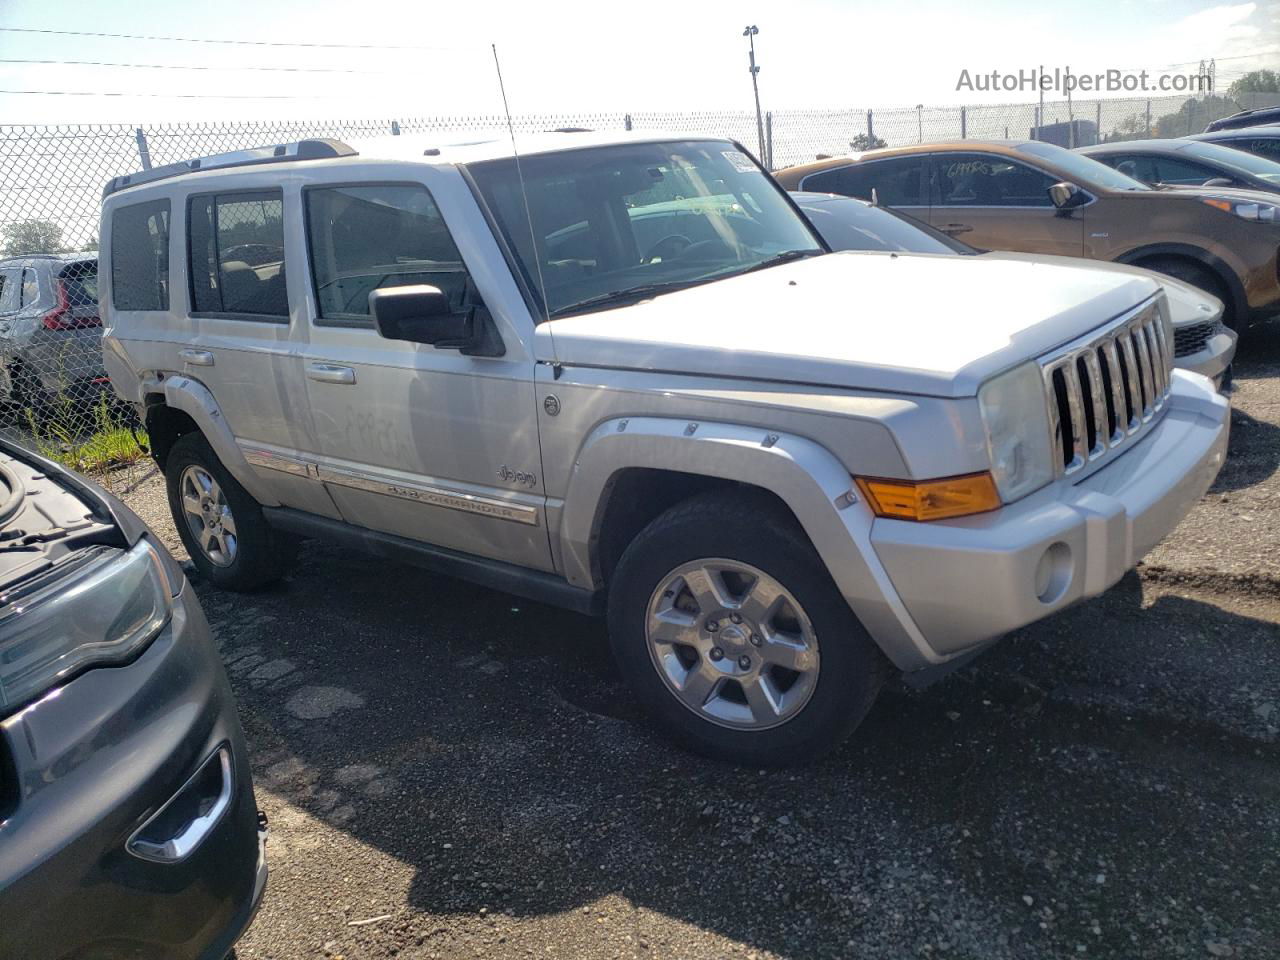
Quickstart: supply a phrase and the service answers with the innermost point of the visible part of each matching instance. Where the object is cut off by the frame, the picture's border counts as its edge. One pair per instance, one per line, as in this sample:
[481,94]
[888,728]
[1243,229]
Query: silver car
[50,332]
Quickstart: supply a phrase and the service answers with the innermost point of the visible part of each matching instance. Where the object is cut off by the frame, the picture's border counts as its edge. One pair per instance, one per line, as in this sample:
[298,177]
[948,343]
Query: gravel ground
[453,773]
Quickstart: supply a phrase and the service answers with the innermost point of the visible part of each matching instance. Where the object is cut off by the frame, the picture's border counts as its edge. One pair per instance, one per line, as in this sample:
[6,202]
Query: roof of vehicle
[1164,145]
[1238,133]
[70,256]
[415,148]
[1242,119]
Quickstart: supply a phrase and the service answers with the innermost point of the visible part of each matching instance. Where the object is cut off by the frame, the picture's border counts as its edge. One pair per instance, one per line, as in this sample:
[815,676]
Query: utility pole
[750,33]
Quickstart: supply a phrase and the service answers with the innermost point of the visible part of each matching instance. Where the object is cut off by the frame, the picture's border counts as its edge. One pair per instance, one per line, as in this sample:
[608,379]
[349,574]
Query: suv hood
[903,323]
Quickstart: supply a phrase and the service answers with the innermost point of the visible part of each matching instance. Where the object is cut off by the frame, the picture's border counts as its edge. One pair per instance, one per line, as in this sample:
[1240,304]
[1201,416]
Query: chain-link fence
[53,390]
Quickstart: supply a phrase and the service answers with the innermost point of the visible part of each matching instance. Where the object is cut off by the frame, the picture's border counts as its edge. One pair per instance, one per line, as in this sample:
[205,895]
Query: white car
[625,375]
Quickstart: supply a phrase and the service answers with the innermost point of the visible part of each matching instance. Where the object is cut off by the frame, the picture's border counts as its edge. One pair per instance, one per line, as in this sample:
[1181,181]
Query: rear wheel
[733,636]
[220,524]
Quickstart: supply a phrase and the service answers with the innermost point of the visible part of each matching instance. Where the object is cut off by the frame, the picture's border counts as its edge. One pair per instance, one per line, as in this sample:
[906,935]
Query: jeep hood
[933,325]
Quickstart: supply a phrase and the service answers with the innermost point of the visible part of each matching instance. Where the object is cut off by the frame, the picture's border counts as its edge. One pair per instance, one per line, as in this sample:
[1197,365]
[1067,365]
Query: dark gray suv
[50,332]
[128,826]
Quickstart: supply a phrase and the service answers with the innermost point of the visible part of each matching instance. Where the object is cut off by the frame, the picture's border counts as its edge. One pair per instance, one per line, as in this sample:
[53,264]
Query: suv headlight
[1016,418]
[101,607]
[1245,210]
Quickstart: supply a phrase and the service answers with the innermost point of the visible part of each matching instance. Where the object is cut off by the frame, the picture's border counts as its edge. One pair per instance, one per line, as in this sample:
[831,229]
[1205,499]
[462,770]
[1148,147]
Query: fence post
[626,121]
[871,130]
[395,128]
[768,140]
[1148,118]
[1097,133]
[143,153]
[963,124]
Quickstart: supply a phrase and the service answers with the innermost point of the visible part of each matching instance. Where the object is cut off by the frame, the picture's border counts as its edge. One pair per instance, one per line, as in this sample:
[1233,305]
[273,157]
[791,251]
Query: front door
[412,439]
[993,202]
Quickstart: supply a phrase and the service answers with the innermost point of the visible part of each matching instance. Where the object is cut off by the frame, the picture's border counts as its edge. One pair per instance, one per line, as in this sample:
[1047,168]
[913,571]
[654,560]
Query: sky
[429,58]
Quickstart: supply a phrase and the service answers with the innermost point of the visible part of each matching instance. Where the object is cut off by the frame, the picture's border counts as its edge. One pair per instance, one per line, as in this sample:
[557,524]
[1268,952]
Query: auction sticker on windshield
[741,162]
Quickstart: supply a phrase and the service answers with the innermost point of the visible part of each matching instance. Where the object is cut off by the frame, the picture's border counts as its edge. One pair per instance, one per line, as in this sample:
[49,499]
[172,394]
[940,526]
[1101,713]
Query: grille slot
[1107,388]
[1193,337]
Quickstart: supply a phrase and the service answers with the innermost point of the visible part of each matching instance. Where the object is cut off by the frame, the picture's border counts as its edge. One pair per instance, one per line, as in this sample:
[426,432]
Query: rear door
[896,182]
[246,343]
[993,202]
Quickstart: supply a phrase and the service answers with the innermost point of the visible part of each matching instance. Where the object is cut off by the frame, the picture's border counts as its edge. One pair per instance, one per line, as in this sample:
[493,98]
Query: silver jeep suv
[624,375]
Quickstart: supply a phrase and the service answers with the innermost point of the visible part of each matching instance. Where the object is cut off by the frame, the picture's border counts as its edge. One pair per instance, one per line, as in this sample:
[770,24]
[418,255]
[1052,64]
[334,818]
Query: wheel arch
[1237,301]
[185,406]
[630,468]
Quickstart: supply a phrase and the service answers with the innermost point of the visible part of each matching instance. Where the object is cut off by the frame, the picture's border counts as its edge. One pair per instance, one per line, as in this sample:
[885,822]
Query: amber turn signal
[931,499]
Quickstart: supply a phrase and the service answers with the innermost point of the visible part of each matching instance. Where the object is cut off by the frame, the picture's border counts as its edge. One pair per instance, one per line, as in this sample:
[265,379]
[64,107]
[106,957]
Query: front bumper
[93,762]
[965,582]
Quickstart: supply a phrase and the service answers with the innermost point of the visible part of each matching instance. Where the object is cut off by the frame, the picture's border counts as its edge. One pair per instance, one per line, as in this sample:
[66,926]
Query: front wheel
[733,636]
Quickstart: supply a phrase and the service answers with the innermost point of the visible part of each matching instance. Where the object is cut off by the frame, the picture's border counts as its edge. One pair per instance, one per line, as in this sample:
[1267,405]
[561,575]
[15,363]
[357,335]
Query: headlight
[1245,210]
[1017,423]
[102,607]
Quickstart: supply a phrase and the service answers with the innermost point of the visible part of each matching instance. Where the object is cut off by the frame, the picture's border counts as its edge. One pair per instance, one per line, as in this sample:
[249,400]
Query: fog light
[1053,573]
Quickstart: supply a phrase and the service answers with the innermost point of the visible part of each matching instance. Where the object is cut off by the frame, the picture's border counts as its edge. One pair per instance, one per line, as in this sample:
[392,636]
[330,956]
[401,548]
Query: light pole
[750,33]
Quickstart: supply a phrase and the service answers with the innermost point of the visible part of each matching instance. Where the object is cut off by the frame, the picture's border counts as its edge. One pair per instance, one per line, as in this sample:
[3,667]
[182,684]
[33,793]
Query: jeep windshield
[604,226]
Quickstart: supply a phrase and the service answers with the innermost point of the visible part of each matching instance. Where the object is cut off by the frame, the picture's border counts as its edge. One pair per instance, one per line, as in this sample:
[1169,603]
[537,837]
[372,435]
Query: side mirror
[1067,196]
[422,314]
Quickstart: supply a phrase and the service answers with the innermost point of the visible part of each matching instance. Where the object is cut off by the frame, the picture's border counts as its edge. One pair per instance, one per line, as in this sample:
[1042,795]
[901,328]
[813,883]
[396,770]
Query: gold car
[1039,198]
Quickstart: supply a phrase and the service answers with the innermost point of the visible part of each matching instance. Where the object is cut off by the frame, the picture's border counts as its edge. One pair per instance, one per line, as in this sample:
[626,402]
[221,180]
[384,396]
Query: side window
[1140,168]
[362,238]
[1269,148]
[989,180]
[1183,173]
[30,287]
[236,251]
[140,256]
[896,182]
[9,287]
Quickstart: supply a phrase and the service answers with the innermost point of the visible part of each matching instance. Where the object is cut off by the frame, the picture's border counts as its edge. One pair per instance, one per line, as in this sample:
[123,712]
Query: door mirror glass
[1067,196]
[420,314]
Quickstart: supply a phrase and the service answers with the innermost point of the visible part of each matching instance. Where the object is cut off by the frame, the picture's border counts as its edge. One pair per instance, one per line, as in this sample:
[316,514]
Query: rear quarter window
[140,256]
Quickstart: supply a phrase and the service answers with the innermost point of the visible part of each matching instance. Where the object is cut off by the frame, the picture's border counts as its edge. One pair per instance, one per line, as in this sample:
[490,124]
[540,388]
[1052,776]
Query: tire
[242,551]
[1199,276]
[730,542]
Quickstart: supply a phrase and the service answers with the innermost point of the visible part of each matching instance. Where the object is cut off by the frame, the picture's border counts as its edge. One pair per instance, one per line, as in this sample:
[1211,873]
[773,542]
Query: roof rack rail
[317,149]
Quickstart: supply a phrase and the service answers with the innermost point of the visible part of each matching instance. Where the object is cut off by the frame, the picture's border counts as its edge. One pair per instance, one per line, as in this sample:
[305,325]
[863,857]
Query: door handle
[953,228]
[330,373]
[201,358]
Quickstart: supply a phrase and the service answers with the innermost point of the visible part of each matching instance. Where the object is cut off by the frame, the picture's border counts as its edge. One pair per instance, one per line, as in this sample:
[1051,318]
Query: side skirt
[531,584]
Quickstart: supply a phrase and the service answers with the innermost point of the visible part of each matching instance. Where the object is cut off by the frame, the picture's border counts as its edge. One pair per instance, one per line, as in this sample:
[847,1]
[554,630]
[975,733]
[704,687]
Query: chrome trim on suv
[1107,387]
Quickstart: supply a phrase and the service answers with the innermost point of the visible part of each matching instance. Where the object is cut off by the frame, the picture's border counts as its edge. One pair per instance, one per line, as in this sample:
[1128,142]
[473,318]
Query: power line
[166,96]
[243,43]
[184,66]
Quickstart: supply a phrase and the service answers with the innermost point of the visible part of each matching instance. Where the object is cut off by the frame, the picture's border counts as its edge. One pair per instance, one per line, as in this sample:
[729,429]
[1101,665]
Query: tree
[32,236]
[1256,81]
[863,142]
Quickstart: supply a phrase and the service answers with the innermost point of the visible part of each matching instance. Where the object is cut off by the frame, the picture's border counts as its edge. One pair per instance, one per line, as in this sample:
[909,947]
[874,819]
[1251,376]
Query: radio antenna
[524,194]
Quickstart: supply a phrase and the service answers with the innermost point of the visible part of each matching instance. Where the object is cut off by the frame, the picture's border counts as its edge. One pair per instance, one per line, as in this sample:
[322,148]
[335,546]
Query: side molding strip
[415,492]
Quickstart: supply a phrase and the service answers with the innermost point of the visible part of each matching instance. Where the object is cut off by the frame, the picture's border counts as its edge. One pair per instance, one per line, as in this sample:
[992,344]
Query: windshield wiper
[785,257]
[628,294]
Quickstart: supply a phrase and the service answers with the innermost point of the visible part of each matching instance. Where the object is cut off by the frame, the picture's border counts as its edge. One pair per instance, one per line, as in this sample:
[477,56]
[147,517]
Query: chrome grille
[1106,388]
[1191,338]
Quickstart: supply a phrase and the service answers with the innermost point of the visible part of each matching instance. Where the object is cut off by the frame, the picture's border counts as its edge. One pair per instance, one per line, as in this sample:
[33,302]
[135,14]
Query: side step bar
[531,584]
